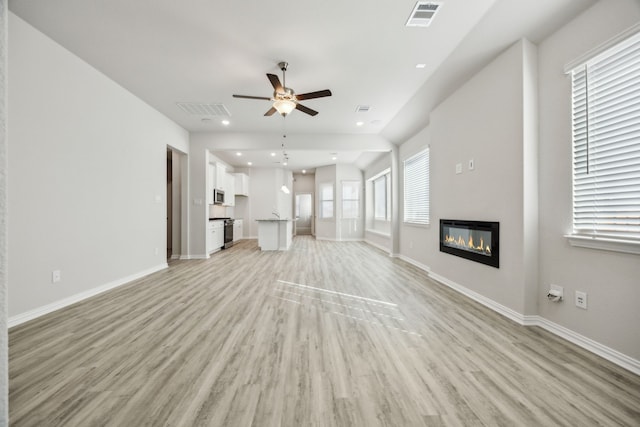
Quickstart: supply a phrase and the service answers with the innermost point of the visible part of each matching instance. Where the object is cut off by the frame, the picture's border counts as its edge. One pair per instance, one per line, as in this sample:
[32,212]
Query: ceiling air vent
[204,110]
[362,109]
[423,13]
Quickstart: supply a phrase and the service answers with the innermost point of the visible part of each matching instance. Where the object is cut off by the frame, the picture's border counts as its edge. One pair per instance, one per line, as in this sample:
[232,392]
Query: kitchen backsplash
[216,211]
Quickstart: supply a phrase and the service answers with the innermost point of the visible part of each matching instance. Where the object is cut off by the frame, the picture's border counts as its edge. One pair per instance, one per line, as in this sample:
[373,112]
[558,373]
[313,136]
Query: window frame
[386,176]
[321,200]
[358,186]
[590,189]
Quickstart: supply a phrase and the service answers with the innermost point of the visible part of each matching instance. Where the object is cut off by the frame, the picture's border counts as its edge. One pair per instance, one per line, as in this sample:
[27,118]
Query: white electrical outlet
[471,165]
[55,276]
[581,299]
[156,251]
[458,168]
[555,291]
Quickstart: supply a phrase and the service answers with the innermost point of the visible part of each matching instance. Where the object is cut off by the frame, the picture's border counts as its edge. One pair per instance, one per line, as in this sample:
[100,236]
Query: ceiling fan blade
[275,82]
[312,95]
[307,110]
[270,112]
[252,97]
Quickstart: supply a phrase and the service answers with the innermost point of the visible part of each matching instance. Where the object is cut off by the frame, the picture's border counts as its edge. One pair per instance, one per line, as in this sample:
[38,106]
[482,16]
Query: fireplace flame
[469,245]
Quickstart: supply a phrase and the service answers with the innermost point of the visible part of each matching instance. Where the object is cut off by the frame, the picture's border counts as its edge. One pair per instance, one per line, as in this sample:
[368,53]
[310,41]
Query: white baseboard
[176,256]
[488,302]
[601,350]
[185,257]
[586,343]
[40,311]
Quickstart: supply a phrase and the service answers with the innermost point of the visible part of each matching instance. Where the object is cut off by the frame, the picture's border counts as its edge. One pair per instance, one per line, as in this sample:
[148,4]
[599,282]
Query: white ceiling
[203,51]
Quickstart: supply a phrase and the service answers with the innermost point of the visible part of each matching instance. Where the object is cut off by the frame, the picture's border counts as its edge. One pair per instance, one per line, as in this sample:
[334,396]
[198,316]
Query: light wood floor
[326,334]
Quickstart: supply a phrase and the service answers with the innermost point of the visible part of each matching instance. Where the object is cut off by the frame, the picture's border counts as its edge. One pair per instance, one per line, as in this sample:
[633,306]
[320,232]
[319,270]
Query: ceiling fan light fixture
[284,106]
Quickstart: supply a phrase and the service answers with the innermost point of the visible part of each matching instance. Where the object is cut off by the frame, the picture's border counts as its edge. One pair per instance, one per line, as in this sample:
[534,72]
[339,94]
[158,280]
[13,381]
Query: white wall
[88,176]
[4,342]
[611,280]
[483,121]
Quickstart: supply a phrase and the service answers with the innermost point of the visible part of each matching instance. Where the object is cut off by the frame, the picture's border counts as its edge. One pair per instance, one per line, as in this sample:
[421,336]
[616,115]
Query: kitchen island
[275,234]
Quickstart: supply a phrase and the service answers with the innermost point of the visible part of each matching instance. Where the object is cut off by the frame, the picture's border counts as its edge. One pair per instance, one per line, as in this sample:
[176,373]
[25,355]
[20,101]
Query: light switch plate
[458,168]
[471,165]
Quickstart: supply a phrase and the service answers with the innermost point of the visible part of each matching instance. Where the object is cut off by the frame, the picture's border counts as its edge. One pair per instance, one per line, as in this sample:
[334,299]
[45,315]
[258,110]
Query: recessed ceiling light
[285,163]
[421,65]
[304,171]
[359,123]
[334,158]
[273,154]
[238,154]
[249,163]
[225,122]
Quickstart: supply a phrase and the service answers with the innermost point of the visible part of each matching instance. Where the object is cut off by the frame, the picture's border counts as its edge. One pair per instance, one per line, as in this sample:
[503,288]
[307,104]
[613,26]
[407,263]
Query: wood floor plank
[326,334]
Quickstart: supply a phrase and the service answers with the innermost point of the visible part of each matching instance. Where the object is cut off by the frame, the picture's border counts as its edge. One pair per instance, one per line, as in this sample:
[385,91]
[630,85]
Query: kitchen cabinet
[242,184]
[229,190]
[220,182]
[215,236]
[238,232]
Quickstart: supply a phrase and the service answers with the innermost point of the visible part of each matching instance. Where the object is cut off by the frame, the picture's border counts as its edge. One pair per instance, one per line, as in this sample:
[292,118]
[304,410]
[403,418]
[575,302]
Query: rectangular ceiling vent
[204,110]
[423,13]
[362,109]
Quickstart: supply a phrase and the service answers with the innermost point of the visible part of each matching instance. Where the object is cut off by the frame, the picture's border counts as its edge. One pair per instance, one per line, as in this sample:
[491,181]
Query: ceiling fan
[284,99]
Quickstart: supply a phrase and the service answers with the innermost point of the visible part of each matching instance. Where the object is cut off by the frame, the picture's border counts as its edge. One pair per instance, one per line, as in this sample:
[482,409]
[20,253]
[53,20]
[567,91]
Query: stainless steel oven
[228,233]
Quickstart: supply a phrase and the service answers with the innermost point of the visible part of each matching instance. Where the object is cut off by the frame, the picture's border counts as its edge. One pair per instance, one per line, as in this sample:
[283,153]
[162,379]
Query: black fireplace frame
[492,227]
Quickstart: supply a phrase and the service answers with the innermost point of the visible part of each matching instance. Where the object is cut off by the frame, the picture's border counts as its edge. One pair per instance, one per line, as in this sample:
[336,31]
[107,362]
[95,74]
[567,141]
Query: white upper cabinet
[229,192]
[242,184]
[220,176]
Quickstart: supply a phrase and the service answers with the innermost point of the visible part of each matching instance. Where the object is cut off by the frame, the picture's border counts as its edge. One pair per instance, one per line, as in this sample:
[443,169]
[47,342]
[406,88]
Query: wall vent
[204,110]
[423,13]
[362,109]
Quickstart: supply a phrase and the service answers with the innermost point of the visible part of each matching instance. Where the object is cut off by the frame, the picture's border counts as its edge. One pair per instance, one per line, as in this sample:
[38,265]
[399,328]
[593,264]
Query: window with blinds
[326,200]
[380,210]
[351,199]
[606,144]
[416,188]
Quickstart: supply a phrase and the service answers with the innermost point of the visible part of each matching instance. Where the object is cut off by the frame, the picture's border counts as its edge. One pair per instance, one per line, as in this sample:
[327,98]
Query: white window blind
[416,188]
[606,144]
[351,199]
[326,200]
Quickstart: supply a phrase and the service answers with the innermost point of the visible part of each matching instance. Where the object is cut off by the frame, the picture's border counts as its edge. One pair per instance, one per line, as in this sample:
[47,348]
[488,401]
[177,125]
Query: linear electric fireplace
[474,240]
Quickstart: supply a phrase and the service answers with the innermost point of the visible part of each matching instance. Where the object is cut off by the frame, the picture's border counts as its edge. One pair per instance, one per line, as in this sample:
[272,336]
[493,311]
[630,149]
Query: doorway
[304,214]
[176,209]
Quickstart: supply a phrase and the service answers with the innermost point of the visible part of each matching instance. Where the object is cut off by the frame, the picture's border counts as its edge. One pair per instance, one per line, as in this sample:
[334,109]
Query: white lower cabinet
[238,232]
[215,236]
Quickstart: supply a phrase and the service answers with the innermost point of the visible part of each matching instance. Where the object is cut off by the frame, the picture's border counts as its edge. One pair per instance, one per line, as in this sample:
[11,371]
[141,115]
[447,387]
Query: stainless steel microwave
[218,197]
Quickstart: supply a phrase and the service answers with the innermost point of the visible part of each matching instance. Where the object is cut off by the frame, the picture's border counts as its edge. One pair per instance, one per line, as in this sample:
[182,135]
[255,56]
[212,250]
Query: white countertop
[275,219]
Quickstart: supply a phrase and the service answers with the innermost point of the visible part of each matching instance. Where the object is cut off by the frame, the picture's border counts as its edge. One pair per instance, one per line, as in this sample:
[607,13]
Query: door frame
[312,217]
